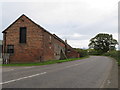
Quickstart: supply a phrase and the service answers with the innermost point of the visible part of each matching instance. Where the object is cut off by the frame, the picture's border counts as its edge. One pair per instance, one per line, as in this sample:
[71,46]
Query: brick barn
[0,48]
[26,41]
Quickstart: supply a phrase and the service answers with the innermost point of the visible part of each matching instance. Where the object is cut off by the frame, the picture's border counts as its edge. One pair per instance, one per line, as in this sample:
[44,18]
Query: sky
[75,20]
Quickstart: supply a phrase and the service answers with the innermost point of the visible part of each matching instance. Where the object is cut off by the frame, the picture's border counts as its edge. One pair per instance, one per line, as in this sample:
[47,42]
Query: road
[87,73]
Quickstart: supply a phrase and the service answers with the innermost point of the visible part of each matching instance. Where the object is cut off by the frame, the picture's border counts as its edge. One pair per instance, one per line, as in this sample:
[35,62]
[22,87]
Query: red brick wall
[71,53]
[52,47]
[48,47]
[40,44]
[58,46]
[32,50]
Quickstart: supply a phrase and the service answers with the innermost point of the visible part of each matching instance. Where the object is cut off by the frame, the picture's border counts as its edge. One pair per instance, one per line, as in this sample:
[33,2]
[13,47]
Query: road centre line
[8,70]
[78,64]
[73,65]
[23,78]
[28,67]
[70,66]
[40,73]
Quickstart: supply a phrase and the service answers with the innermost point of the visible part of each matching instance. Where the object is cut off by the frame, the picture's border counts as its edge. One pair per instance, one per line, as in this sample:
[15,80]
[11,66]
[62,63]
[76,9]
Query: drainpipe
[66,48]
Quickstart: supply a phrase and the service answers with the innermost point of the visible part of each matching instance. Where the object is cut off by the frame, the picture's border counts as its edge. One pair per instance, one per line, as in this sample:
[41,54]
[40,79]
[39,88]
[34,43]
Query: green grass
[43,63]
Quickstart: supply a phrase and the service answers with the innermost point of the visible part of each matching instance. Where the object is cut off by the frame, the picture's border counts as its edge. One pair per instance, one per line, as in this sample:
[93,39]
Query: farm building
[26,41]
[0,48]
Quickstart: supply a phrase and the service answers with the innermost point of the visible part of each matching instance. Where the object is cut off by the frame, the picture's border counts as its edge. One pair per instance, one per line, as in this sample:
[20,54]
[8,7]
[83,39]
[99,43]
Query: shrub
[93,52]
[83,52]
[114,54]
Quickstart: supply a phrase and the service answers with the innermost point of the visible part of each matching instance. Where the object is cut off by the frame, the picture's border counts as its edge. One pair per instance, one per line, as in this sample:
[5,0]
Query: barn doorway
[62,55]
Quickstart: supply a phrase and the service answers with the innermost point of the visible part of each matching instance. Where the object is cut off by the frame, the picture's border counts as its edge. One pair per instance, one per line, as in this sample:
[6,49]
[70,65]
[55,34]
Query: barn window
[23,31]
[10,49]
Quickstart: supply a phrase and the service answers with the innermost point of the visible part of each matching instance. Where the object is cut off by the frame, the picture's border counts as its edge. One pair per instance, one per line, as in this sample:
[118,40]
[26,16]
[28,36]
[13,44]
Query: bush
[114,54]
[92,52]
[83,52]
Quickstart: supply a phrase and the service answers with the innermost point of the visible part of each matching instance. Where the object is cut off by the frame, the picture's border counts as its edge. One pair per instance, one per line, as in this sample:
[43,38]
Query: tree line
[101,44]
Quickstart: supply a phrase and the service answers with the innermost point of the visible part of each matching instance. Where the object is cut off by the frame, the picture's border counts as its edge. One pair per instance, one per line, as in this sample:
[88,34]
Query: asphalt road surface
[87,73]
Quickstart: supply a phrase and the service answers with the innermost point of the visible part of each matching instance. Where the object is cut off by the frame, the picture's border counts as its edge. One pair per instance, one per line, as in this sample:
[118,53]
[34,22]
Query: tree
[103,43]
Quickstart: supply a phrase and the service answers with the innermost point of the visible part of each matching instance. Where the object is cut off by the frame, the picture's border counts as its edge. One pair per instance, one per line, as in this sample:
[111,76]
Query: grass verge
[44,63]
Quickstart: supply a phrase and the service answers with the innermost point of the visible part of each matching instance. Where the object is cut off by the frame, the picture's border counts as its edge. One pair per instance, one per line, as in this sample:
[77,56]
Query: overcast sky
[75,20]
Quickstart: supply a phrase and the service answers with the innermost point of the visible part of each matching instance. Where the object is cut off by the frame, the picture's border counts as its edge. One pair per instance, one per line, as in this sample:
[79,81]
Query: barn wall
[31,51]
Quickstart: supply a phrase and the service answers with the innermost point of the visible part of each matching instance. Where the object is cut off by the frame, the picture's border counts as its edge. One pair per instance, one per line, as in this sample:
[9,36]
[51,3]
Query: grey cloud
[84,18]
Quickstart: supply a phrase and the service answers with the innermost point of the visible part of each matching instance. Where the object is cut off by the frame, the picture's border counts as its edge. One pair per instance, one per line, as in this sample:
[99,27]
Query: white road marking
[72,65]
[78,64]
[40,73]
[11,69]
[23,78]
[8,70]
[28,67]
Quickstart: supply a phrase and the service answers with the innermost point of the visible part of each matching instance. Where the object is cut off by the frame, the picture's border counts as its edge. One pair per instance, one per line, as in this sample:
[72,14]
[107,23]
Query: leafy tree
[103,43]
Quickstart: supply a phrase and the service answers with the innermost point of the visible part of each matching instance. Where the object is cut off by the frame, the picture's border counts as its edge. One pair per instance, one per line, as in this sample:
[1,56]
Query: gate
[6,58]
